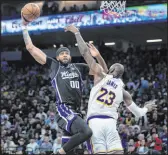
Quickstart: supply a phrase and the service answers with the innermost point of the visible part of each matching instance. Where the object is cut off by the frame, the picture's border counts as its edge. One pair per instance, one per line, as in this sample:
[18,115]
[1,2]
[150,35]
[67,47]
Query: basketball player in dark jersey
[66,78]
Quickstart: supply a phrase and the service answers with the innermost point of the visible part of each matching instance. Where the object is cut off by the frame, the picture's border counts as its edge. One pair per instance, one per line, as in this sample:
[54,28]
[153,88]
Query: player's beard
[65,61]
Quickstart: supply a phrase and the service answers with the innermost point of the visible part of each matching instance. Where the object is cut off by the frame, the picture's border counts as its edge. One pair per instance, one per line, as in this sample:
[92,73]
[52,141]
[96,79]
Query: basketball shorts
[105,136]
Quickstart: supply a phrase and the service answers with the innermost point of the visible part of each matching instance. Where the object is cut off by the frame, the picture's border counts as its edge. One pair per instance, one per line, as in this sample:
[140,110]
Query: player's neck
[114,76]
[65,65]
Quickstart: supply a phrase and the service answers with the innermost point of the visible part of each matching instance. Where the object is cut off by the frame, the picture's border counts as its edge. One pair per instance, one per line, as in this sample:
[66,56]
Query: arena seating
[28,103]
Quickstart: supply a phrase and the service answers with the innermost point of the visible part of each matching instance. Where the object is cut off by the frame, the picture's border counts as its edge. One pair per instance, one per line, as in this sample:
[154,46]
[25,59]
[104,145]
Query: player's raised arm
[137,111]
[96,54]
[84,50]
[37,54]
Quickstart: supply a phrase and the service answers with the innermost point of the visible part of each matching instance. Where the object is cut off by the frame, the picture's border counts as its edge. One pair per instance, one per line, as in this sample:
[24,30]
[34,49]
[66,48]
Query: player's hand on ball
[150,105]
[29,13]
[71,28]
[23,20]
[93,50]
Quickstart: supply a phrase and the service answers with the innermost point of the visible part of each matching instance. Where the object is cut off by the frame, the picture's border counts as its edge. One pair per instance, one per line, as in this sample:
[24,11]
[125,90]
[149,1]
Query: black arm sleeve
[83,68]
[53,66]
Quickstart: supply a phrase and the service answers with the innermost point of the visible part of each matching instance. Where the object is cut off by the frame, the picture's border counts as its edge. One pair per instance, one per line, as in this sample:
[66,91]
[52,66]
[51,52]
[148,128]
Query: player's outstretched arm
[137,111]
[96,54]
[84,50]
[37,54]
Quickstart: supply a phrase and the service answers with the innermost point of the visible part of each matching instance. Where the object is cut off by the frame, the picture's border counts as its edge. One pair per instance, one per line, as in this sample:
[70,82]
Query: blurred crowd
[28,105]
[48,8]
[52,7]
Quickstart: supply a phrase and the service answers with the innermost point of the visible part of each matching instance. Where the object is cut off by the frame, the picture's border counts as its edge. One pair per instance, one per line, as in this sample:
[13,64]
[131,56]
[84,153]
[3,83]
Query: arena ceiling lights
[110,44]
[154,40]
[90,42]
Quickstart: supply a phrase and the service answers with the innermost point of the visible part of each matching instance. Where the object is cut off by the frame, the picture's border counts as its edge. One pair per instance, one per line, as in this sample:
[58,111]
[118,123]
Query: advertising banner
[133,15]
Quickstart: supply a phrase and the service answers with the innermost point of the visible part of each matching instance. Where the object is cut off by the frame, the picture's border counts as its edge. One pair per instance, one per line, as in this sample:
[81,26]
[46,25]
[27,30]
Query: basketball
[30,12]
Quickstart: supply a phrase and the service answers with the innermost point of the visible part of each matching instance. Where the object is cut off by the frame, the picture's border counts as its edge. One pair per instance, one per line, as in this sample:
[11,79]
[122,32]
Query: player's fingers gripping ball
[30,12]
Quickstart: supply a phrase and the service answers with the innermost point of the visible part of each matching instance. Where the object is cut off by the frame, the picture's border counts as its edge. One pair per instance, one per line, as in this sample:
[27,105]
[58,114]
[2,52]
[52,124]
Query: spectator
[3,133]
[45,8]
[3,116]
[18,118]
[131,84]
[53,124]
[140,138]
[54,8]
[137,130]
[64,10]
[16,138]
[123,136]
[142,149]
[57,145]
[156,120]
[46,146]
[165,116]
[40,113]
[46,132]
[131,132]
[131,146]
[38,139]
[129,121]
[2,146]
[143,86]
[51,116]
[6,123]
[21,148]
[84,8]
[164,138]
[25,125]
[158,143]
[33,81]
[32,147]
[4,65]
[75,8]
[38,129]
[71,9]
[9,146]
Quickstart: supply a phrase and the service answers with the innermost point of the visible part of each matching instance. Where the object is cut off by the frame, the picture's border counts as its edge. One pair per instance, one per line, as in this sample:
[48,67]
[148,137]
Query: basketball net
[113,7]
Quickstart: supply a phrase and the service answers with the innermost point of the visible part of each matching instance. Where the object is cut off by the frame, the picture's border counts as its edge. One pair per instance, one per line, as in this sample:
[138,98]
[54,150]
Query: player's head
[116,70]
[63,55]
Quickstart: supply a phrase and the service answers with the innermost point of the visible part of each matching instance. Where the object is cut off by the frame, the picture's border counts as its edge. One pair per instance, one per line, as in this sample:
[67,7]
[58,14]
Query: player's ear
[70,58]
[57,58]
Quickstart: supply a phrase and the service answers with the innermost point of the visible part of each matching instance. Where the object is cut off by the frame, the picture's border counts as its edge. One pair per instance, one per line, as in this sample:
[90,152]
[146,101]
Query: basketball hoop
[113,7]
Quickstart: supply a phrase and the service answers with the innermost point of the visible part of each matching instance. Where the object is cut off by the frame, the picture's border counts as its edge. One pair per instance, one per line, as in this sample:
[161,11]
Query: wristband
[24,27]
[77,33]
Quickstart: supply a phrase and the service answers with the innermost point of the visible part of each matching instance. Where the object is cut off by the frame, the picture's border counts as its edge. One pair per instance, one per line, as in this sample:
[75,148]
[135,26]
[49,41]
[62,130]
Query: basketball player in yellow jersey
[105,97]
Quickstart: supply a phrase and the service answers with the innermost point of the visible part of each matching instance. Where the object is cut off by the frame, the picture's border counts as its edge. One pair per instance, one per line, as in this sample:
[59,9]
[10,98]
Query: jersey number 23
[106,97]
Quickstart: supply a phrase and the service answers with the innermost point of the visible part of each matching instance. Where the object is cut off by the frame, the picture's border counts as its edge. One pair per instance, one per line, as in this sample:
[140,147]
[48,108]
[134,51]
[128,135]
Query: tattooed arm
[37,54]
[84,50]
